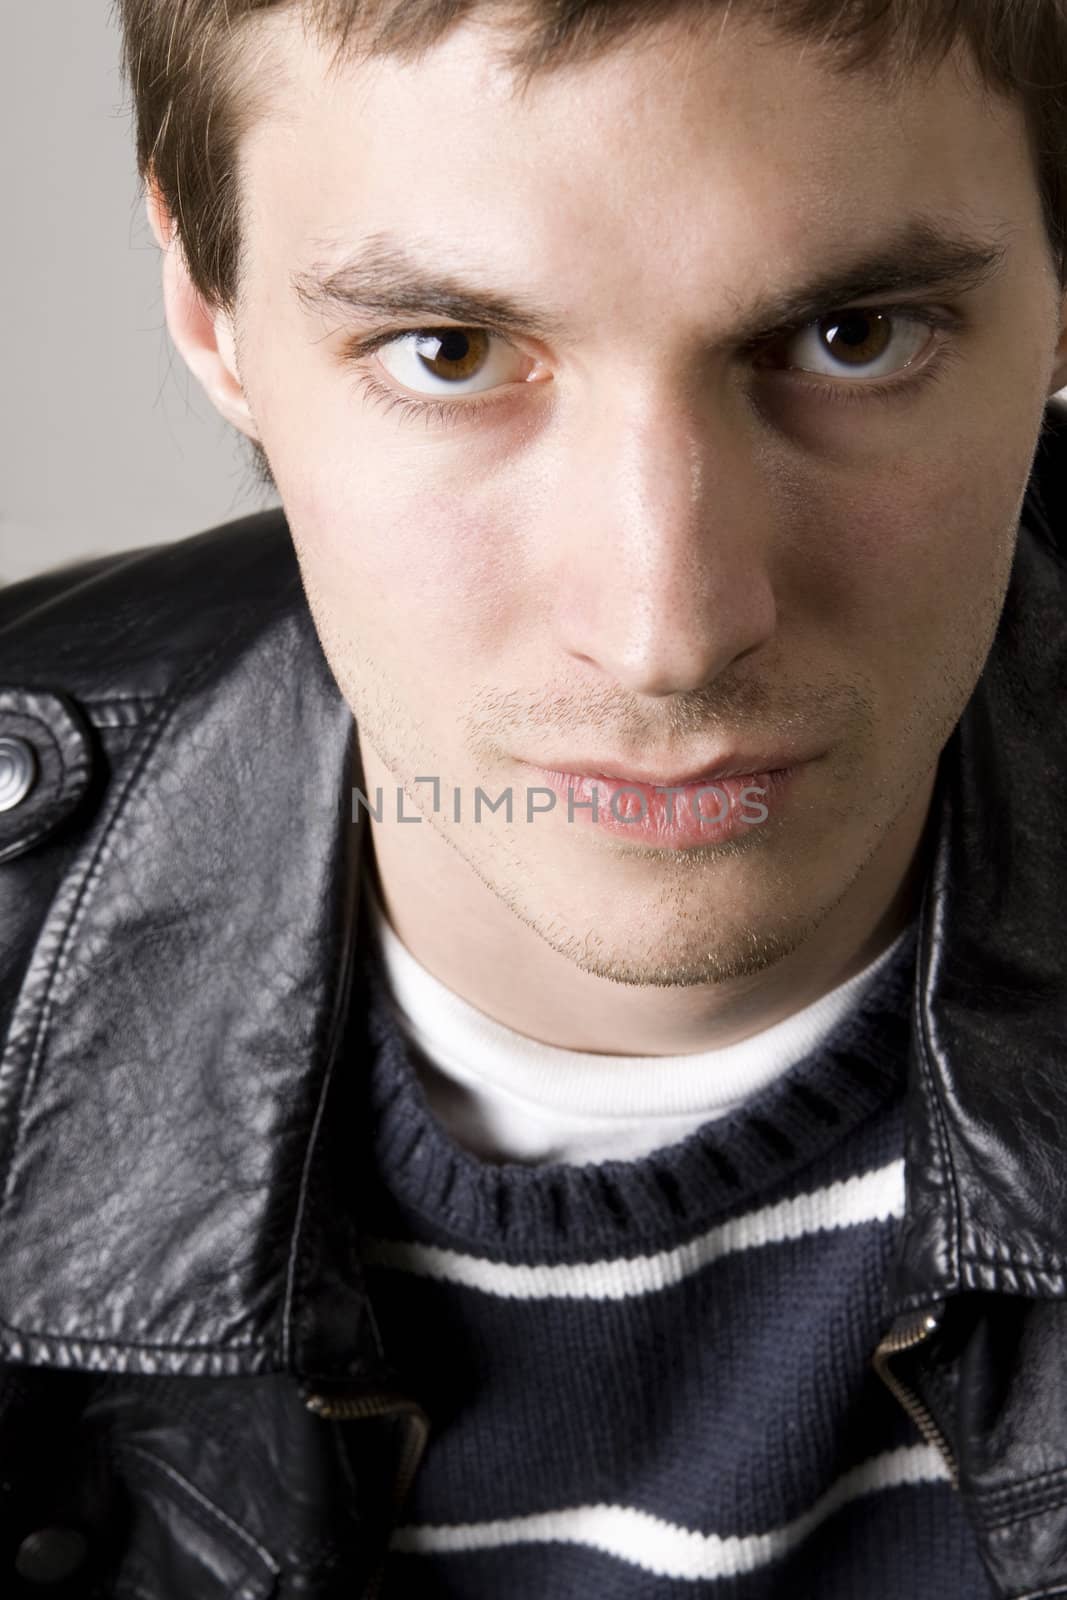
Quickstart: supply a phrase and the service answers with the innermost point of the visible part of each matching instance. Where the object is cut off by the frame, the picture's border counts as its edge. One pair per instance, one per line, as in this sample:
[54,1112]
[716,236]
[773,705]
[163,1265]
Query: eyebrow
[385,277]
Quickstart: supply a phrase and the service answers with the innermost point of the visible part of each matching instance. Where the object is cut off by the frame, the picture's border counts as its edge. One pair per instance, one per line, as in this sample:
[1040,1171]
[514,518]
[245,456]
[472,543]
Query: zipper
[352,1408]
[907,1333]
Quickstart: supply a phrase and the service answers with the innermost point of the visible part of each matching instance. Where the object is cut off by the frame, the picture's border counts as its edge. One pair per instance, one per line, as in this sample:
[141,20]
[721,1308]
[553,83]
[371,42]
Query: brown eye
[453,352]
[434,361]
[857,337]
[857,344]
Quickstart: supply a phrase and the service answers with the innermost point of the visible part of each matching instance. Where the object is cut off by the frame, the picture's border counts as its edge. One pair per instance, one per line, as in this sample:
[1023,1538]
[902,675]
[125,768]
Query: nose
[661,571]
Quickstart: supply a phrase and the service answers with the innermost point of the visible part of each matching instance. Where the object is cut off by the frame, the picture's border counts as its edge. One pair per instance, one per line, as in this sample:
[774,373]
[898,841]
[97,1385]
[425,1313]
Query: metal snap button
[50,1555]
[18,771]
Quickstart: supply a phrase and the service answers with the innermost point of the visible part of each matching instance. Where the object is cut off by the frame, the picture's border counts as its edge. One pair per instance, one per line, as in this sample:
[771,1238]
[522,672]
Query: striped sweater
[651,1379]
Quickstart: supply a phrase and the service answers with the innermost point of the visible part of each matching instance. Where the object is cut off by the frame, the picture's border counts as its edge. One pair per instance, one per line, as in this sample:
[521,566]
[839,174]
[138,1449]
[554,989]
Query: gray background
[107,441]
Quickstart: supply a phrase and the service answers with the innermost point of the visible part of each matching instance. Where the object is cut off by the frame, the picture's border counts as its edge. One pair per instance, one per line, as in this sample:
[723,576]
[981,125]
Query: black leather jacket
[194,1399]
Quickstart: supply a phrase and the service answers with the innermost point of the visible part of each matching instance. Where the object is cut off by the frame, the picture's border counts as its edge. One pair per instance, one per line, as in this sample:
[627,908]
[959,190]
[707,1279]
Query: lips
[671,816]
[728,767]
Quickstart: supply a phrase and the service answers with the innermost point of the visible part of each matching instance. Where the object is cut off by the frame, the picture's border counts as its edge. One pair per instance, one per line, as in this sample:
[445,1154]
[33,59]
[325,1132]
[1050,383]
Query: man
[534,991]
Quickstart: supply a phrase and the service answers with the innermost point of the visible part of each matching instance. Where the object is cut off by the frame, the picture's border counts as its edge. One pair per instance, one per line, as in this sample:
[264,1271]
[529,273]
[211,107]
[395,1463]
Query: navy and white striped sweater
[650,1380]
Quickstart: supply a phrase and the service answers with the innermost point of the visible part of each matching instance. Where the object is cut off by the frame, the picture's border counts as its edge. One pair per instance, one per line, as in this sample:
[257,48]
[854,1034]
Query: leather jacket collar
[986,1176]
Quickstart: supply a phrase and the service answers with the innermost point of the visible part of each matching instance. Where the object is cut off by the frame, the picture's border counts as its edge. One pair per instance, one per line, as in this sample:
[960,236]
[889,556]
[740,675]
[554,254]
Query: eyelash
[437,411]
[441,412]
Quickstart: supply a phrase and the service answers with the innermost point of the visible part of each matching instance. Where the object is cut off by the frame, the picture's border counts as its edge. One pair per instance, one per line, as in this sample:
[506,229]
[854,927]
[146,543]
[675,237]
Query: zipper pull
[340,1407]
[907,1333]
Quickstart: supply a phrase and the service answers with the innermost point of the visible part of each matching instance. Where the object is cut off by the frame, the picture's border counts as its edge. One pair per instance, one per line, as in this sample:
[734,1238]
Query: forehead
[723,150]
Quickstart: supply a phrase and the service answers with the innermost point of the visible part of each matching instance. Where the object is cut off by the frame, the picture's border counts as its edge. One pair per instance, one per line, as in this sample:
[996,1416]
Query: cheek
[948,539]
[903,551]
[430,577]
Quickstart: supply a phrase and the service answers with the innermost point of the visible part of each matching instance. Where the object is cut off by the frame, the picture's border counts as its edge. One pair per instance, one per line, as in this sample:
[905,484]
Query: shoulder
[98,656]
[128,622]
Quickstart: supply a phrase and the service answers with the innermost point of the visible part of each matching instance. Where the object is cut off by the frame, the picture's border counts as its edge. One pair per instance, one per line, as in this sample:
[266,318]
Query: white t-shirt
[506,1097]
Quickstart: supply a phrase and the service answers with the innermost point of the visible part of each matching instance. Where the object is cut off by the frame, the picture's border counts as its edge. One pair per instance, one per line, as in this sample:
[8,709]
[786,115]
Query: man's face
[637,540]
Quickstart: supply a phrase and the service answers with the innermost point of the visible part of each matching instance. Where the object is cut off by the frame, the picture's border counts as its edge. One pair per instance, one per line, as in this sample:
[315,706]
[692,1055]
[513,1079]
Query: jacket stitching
[1053,1265]
[182,1401]
[58,965]
[301,1202]
[125,699]
[1011,1258]
[121,711]
[992,1497]
[940,1132]
[91,876]
[67,1342]
[214,1511]
[336,1026]
[1028,1501]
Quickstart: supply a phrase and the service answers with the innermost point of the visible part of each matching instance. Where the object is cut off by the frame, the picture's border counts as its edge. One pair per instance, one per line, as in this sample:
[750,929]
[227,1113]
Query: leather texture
[180,1291]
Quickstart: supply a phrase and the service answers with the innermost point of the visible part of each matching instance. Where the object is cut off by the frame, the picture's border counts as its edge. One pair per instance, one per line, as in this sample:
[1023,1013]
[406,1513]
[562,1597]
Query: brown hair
[201,72]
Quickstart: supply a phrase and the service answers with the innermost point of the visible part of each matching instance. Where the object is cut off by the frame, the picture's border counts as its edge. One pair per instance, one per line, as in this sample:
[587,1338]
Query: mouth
[639,774]
[716,804]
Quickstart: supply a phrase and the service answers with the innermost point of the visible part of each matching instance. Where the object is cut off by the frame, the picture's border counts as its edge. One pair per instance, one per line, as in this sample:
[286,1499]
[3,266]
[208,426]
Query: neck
[471,941]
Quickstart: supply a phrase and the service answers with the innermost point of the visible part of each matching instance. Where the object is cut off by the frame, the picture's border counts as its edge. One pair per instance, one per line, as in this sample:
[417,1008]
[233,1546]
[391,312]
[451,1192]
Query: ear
[203,337]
